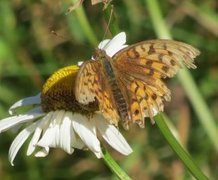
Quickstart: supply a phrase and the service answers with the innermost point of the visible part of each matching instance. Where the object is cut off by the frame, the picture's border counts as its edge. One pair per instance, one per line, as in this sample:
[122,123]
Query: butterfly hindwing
[140,69]
[144,99]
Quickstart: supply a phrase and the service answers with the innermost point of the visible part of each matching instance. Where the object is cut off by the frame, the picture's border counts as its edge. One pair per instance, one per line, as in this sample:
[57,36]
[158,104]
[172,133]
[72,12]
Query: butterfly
[129,85]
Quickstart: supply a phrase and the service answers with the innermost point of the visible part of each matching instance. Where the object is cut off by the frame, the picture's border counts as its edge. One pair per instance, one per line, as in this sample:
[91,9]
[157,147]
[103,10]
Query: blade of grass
[185,78]
[178,149]
[204,16]
[85,25]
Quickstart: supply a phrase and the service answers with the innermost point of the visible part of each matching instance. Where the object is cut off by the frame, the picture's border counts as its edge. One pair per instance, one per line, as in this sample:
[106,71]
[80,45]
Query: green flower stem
[185,78]
[114,166]
[183,155]
[86,27]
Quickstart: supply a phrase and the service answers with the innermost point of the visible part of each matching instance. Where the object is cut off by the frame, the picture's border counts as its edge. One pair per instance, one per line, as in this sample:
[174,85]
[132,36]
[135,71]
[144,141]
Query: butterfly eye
[97,53]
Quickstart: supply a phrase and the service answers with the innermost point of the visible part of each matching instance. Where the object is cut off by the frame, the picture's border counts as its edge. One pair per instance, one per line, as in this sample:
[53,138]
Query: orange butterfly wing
[157,58]
[140,68]
[90,86]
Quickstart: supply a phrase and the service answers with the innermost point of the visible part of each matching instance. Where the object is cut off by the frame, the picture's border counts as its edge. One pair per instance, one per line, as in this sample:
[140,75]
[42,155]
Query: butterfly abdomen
[116,92]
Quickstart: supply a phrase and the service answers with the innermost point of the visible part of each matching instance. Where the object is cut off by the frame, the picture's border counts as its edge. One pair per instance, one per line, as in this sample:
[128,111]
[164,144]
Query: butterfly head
[99,54]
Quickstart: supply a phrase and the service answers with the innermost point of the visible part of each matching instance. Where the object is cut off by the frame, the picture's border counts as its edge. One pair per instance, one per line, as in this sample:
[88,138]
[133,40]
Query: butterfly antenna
[109,21]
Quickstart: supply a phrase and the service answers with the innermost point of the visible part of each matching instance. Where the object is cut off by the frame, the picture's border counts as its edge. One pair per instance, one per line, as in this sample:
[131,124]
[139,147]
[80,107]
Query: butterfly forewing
[88,82]
[162,57]
[90,86]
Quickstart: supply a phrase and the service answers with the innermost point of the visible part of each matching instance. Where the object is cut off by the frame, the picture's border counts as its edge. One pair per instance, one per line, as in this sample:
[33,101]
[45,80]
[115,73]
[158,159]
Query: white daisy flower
[57,120]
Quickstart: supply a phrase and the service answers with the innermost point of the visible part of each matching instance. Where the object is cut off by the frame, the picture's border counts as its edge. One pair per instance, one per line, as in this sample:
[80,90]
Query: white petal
[76,142]
[36,110]
[116,44]
[10,122]
[52,132]
[86,131]
[34,140]
[112,135]
[19,140]
[80,63]
[43,125]
[103,43]
[26,101]
[65,134]
[58,133]
[43,152]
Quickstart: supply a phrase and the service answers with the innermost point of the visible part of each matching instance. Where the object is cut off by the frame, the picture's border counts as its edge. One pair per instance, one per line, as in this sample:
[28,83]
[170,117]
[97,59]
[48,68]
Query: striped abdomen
[117,94]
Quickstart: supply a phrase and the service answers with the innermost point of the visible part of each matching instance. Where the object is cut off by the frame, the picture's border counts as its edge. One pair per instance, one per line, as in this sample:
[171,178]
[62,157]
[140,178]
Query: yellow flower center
[58,93]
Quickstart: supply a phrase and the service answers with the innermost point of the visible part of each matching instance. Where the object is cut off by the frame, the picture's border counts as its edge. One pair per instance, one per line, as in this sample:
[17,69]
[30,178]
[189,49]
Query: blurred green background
[37,38]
